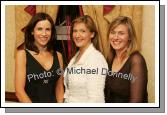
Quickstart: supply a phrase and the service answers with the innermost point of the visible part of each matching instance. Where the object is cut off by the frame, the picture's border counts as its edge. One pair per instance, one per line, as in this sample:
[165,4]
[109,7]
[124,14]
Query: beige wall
[148,38]
[148,48]
[10,36]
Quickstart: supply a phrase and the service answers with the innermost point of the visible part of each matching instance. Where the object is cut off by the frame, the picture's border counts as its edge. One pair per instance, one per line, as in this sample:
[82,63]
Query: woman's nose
[77,34]
[43,32]
[115,35]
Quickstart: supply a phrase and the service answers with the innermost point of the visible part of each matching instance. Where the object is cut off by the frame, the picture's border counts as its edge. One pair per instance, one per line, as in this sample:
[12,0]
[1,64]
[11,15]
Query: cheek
[89,37]
[73,35]
[125,42]
[110,38]
[84,35]
[37,33]
[126,38]
[49,33]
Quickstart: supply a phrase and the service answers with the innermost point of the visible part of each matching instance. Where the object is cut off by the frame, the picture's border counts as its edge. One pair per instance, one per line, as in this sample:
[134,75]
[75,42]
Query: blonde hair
[132,36]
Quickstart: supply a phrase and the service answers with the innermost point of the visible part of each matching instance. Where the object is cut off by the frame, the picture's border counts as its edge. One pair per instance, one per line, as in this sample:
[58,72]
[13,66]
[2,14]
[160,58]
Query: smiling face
[42,33]
[119,37]
[82,35]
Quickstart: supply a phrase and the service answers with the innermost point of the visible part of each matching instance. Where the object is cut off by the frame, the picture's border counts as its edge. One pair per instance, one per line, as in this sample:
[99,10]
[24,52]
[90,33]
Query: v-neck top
[40,83]
[132,74]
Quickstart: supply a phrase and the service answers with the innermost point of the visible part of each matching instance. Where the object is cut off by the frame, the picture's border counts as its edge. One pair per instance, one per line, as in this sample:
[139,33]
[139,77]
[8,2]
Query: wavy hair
[29,37]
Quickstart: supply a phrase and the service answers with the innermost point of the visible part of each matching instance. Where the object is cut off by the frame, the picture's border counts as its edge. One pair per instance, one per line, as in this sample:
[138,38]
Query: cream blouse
[84,81]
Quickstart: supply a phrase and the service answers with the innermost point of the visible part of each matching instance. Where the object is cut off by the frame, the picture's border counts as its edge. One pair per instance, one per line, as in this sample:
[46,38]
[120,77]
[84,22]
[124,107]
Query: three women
[37,80]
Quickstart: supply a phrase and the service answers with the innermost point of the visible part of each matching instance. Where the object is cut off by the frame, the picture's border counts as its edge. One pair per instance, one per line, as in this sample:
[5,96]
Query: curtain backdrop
[102,20]
[23,15]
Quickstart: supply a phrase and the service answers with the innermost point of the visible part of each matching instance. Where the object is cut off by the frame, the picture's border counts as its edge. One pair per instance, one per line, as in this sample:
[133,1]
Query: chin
[116,48]
[78,44]
[43,44]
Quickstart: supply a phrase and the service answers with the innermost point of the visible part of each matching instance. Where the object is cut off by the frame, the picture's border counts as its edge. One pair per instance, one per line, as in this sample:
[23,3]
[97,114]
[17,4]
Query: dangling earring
[32,33]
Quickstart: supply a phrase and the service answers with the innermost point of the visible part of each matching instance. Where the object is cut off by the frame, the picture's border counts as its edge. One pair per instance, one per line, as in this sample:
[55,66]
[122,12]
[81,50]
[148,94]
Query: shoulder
[20,56]
[60,58]
[59,54]
[20,53]
[98,58]
[137,57]
[96,55]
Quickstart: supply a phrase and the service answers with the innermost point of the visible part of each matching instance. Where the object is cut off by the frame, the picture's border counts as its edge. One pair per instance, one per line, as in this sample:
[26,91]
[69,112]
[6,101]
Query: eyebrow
[117,31]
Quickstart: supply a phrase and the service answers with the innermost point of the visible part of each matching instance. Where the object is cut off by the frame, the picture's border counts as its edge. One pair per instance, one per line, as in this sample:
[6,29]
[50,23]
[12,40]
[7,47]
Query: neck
[120,54]
[42,49]
[82,49]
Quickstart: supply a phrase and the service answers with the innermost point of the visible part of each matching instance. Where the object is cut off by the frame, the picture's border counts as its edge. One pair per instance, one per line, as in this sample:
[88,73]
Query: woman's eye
[48,29]
[121,33]
[112,32]
[74,30]
[39,29]
[82,30]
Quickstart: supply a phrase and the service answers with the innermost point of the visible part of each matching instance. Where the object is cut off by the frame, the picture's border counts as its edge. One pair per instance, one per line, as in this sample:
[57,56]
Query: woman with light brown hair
[128,81]
[83,80]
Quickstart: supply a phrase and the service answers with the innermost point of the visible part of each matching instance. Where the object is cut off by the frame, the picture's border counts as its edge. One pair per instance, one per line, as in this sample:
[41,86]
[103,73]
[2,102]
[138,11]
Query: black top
[40,83]
[128,83]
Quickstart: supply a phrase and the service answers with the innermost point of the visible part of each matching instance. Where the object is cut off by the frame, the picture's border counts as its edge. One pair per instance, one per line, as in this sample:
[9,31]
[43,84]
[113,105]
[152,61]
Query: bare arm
[20,76]
[60,87]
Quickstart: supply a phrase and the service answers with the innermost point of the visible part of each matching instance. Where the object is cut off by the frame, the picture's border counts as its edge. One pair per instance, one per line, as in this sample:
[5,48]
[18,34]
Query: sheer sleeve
[138,87]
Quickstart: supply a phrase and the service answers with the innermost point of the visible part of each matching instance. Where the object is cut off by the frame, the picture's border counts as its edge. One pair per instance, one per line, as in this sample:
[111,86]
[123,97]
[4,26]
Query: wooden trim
[10,96]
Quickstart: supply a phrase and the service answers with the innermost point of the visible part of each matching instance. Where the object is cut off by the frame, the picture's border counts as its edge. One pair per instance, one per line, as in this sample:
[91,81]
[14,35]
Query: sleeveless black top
[40,83]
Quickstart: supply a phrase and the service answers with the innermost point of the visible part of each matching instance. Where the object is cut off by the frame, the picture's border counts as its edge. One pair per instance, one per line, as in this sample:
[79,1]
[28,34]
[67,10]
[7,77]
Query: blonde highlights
[132,36]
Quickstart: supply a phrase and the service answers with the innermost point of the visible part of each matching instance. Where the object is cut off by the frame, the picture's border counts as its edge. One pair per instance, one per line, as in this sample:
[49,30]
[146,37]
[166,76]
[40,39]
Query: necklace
[42,49]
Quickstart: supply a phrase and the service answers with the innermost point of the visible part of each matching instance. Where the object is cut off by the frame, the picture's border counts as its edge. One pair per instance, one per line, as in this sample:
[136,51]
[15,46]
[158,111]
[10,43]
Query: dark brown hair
[29,37]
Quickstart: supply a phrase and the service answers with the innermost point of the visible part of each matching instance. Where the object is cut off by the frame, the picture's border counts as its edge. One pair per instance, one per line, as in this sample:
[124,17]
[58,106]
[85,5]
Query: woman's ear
[93,34]
[32,33]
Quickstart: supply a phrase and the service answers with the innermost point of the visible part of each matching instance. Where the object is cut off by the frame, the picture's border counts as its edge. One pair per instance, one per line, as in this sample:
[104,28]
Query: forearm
[23,97]
[60,93]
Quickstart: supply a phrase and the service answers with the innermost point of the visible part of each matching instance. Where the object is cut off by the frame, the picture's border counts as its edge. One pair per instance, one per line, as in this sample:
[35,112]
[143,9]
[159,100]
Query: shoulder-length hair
[88,21]
[132,35]
[29,37]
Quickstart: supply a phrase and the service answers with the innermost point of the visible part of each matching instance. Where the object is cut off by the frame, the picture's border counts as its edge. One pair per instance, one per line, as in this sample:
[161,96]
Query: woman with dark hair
[128,81]
[83,80]
[36,78]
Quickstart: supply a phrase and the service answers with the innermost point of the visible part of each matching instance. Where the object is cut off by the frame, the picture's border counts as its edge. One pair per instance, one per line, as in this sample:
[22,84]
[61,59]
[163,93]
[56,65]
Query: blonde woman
[128,81]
